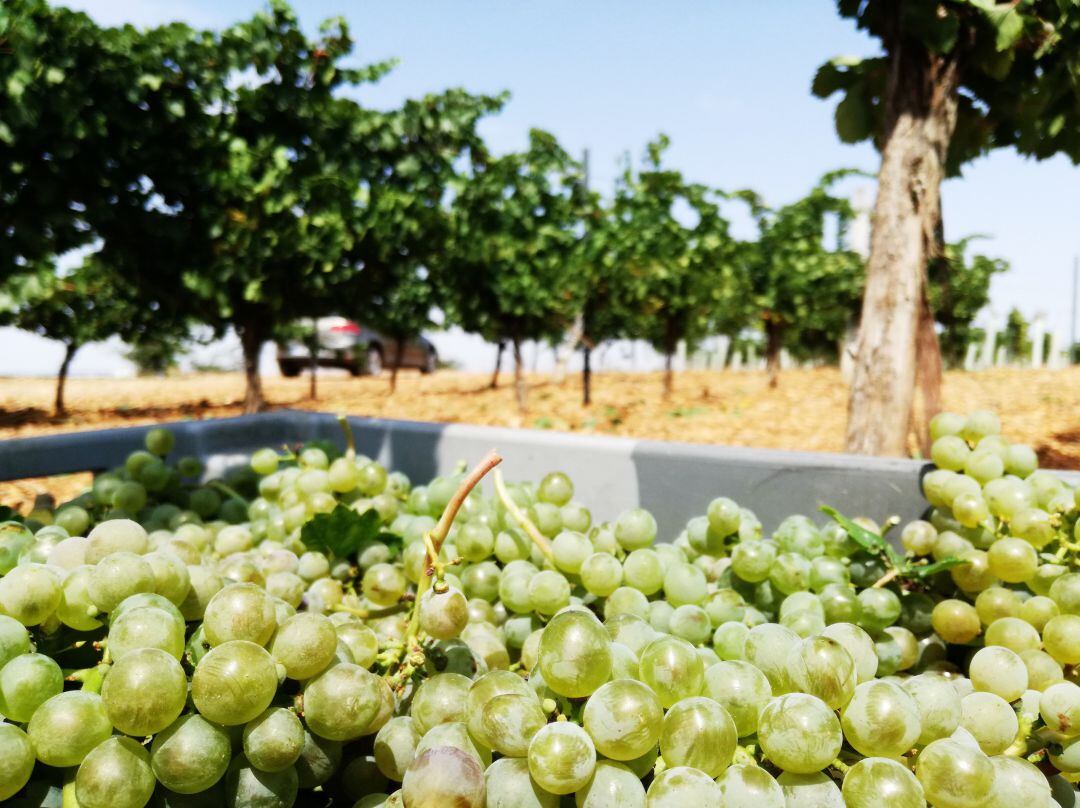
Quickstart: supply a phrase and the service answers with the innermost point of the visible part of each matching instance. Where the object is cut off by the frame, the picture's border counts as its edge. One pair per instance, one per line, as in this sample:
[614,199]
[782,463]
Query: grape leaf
[867,539]
[923,571]
[344,532]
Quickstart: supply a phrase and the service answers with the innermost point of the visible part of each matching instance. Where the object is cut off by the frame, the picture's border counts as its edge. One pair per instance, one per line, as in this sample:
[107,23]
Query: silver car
[343,343]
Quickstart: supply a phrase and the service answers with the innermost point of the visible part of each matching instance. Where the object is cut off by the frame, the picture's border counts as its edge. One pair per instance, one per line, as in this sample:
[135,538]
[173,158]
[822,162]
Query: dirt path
[806,411]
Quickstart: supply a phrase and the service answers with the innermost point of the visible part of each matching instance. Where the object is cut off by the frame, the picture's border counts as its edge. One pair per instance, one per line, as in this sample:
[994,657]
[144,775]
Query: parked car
[356,348]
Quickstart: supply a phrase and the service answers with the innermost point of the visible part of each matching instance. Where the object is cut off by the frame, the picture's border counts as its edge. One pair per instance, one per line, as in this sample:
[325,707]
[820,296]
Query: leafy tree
[955,80]
[682,269]
[155,354]
[802,290]
[79,308]
[1015,337]
[283,208]
[511,269]
[958,290]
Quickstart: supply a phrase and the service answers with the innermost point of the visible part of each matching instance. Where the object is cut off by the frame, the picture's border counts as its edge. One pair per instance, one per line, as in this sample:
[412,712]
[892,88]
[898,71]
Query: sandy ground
[806,411]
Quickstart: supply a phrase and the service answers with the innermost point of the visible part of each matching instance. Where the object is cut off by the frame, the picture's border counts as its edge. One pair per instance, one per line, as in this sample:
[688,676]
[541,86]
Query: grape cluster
[174,642]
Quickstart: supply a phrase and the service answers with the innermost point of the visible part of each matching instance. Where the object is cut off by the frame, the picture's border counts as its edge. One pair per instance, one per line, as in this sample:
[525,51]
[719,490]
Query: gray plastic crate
[673,480]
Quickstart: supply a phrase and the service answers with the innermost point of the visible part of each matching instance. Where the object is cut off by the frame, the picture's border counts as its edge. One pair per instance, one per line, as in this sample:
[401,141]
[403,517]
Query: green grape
[555,488]
[144,692]
[443,615]
[918,537]
[822,667]
[115,535]
[234,682]
[146,627]
[304,645]
[790,573]
[979,424]
[1059,707]
[481,581]
[576,516]
[797,534]
[682,786]
[691,623]
[818,790]
[752,561]
[999,671]
[767,648]
[1012,560]
[1061,638]
[454,734]
[247,786]
[741,689]
[626,600]
[698,732]
[343,702]
[444,776]
[1067,758]
[876,781]
[749,786]
[1065,592]
[703,538]
[273,740]
[569,550]
[561,758]
[950,452]
[684,583]
[1043,670]
[946,423]
[17,752]
[240,612]
[672,668]
[30,593]
[439,700]
[395,747]
[115,774]
[574,656]
[953,775]
[881,720]
[880,608]
[601,574]
[159,441]
[475,542]
[117,577]
[724,606]
[729,640]
[549,591]
[991,720]
[1033,525]
[996,602]
[956,621]
[799,733]
[509,723]
[630,631]
[1017,782]
[613,785]
[643,571]
[26,682]
[840,604]
[512,545]
[264,462]
[318,761]
[938,706]
[509,785]
[190,755]
[384,584]
[624,663]
[1037,610]
[171,577]
[67,726]
[623,718]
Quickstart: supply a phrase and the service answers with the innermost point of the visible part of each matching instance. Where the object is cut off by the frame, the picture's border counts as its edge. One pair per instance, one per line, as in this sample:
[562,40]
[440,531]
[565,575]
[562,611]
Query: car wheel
[374,360]
[289,370]
[431,362]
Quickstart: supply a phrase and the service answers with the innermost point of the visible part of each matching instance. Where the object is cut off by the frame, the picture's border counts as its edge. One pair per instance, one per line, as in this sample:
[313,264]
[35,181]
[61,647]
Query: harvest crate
[673,480]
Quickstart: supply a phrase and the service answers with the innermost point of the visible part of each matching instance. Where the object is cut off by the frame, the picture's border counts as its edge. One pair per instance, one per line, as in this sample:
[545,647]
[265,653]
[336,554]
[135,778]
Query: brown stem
[519,378]
[586,375]
[774,342]
[398,346]
[519,516]
[498,364]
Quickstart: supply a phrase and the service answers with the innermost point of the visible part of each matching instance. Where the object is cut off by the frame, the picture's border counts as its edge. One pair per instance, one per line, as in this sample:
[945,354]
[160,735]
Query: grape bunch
[315,630]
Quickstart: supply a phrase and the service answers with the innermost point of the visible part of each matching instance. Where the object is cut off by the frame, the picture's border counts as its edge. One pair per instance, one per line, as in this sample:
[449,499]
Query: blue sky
[727,81]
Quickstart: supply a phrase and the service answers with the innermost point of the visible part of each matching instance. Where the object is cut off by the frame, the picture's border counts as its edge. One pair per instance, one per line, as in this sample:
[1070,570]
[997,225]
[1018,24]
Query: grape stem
[227,491]
[519,516]
[886,578]
[433,541]
[350,439]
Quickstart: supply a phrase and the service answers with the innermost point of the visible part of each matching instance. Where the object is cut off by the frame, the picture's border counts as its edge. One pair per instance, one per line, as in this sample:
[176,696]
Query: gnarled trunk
[59,409]
[498,364]
[920,116]
[252,336]
[586,375]
[519,378]
[399,345]
[669,373]
[774,342]
[313,366]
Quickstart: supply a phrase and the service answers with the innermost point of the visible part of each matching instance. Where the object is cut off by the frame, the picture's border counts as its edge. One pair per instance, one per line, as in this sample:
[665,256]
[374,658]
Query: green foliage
[802,291]
[511,268]
[681,270]
[1018,67]
[343,532]
[958,289]
[1014,338]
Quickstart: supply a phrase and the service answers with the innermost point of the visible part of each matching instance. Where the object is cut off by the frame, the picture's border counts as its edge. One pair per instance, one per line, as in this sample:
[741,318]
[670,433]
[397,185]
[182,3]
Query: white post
[971,357]
[986,355]
[1038,330]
